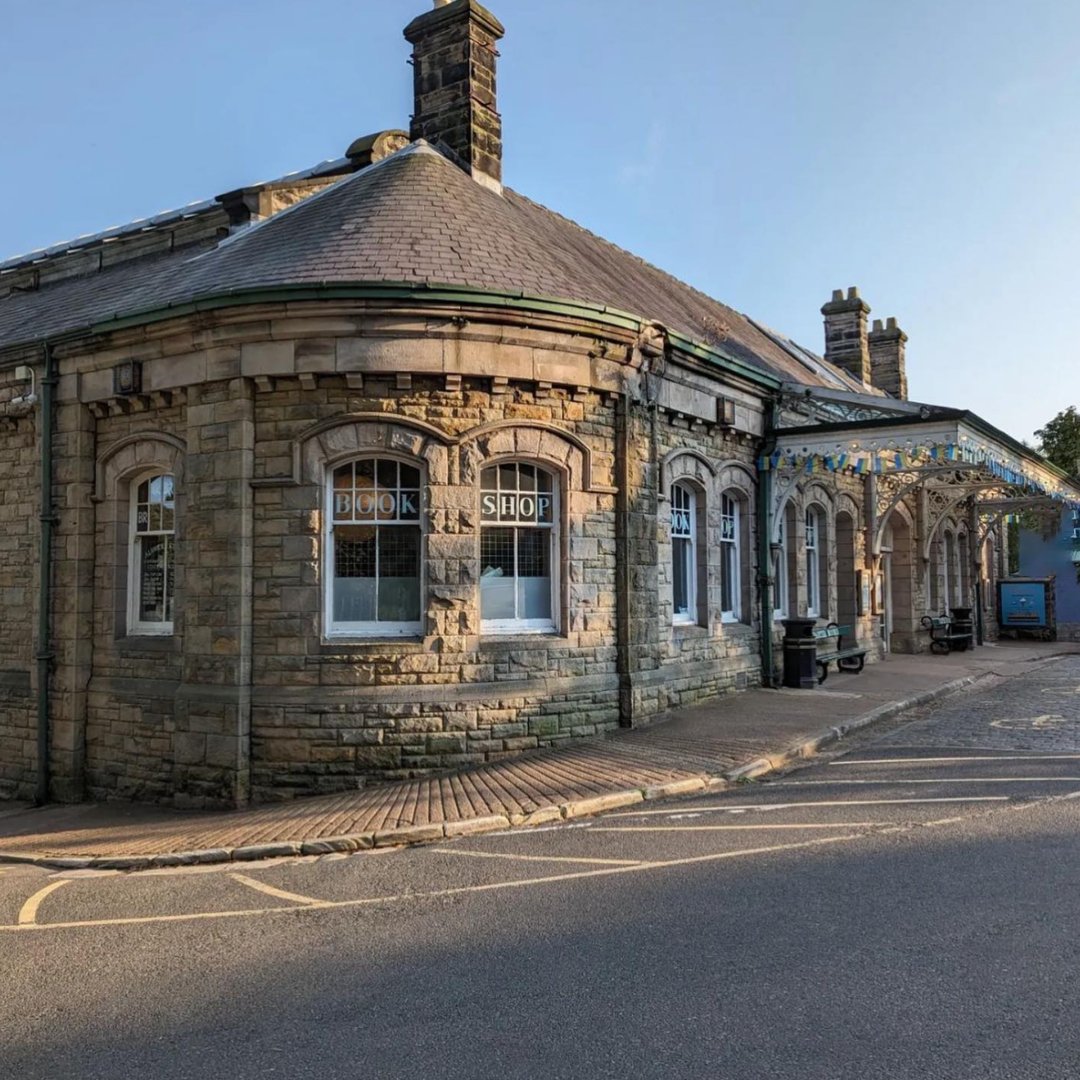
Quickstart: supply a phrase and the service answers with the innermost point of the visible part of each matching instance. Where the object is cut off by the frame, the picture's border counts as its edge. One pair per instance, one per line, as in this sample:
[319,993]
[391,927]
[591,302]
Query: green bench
[944,637]
[830,647]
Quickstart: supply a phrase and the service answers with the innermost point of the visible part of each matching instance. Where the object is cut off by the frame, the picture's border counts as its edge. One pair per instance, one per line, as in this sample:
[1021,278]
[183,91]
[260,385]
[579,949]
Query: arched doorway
[896,606]
[847,600]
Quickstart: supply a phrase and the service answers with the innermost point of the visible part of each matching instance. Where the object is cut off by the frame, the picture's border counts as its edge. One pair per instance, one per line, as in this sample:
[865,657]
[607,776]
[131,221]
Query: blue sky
[766,152]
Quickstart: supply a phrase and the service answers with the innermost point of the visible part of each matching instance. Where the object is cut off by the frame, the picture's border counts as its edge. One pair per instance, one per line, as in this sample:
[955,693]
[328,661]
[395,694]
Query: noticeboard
[1025,604]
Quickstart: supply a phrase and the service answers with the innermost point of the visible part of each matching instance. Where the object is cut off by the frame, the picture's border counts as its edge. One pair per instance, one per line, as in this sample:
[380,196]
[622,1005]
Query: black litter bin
[962,623]
[800,654]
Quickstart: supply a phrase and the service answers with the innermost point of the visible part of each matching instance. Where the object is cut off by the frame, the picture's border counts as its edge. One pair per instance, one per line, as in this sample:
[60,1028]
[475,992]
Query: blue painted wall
[1040,558]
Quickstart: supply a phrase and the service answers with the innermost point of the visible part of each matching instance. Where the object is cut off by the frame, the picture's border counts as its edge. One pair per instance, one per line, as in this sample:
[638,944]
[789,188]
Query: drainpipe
[43,653]
[764,553]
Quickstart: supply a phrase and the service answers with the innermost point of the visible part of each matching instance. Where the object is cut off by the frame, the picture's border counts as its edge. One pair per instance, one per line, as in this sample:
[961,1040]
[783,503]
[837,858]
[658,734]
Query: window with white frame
[150,559]
[730,554]
[780,572]
[684,553]
[813,562]
[518,549]
[373,548]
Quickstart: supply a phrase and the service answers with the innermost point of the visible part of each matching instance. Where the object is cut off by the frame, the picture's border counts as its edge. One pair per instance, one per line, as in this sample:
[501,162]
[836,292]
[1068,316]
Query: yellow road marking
[752,807]
[958,760]
[29,910]
[536,858]
[270,890]
[463,890]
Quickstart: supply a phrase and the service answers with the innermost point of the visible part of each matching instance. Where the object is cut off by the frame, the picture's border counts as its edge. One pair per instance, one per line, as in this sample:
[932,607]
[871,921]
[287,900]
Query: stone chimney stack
[887,358]
[845,333]
[454,85]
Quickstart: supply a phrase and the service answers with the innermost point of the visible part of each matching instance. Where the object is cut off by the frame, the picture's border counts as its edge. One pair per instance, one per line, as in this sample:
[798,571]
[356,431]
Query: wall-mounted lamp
[25,373]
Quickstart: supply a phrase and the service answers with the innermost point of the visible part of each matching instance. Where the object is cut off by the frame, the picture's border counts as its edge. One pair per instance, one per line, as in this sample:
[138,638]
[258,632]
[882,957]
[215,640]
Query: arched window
[684,583]
[813,562]
[730,557]
[518,549]
[373,549]
[150,560]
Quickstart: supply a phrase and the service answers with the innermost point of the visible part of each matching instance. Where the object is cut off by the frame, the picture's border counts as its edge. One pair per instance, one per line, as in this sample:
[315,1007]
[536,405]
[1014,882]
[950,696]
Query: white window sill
[514,629]
[152,630]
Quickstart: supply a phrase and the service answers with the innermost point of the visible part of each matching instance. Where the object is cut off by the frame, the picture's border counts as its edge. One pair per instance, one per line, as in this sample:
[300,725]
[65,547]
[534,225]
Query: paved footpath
[705,746]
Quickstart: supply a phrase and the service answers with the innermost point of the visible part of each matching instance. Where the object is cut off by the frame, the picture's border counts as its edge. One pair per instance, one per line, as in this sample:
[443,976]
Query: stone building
[382,468]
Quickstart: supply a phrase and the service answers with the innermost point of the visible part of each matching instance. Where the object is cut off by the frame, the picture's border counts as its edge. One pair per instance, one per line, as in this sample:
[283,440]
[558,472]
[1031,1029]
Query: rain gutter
[439,294]
[43,652]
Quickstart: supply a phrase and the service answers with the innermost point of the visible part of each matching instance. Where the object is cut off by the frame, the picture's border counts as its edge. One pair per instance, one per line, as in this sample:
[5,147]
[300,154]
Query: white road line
[281,894]
[536,858]
[733,828]
[749,807]
[958,760]
[463,890]
[943,780]
[29,910]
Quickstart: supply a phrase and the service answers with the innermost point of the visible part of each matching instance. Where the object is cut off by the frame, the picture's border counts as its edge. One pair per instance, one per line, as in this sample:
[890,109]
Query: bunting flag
[895,459]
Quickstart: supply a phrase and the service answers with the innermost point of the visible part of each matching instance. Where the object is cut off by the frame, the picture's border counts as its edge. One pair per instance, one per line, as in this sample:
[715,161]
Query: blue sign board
[1022,604]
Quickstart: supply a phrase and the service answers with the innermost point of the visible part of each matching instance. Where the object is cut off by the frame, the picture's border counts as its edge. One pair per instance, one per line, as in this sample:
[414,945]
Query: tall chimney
[845,333]
[887,358]
[454,85]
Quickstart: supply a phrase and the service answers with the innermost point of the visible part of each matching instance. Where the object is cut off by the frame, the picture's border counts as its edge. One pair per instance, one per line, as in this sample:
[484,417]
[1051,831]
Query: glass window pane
[727,577]
[543,480]
[534,598]
[488,481]
[527,477]
[410,476]
[508,477]
[534,552]
[354,573]
[386,473]
[497,574]
[343,476]
[365,473]
[408,505]
[399,574]
[152,578]
[680,585]
[143,494]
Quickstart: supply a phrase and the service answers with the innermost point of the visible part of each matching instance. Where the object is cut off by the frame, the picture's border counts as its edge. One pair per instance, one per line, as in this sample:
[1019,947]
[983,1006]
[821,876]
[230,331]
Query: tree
[1059,440]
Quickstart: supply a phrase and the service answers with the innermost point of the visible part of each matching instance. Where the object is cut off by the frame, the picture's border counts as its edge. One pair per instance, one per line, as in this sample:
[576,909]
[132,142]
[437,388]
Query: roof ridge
[158,219]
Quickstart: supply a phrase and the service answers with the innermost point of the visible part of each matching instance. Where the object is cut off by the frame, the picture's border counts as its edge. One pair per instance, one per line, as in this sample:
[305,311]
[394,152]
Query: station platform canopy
[958,461]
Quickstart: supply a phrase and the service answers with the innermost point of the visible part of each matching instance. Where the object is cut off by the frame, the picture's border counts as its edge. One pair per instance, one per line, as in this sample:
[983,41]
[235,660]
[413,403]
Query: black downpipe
[764,552]
[43,653]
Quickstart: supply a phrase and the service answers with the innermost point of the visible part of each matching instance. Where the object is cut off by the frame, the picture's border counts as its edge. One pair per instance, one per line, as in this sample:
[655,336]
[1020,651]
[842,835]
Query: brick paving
[686,750]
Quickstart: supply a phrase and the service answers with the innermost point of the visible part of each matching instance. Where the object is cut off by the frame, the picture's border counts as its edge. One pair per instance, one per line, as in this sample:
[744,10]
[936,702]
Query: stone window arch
[734,541]
[688,479]
[138,561]
[373,555]
[520,518]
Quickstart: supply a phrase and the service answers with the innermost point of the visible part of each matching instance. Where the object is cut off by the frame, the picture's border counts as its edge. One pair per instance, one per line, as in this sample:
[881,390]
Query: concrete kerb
[420,834]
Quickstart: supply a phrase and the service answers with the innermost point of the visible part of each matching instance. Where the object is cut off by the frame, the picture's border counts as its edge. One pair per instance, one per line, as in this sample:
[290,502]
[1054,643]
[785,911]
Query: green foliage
[1059,440]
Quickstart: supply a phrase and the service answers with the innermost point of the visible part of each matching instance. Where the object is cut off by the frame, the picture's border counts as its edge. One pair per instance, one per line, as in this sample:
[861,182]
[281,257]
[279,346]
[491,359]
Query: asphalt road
[909,907]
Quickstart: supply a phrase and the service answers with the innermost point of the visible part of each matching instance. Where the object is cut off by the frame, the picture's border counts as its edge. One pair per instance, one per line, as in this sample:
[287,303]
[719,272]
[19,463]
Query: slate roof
[413,217]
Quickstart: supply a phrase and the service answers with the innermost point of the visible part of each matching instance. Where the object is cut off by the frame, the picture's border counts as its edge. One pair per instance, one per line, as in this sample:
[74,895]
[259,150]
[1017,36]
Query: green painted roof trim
[447,294]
